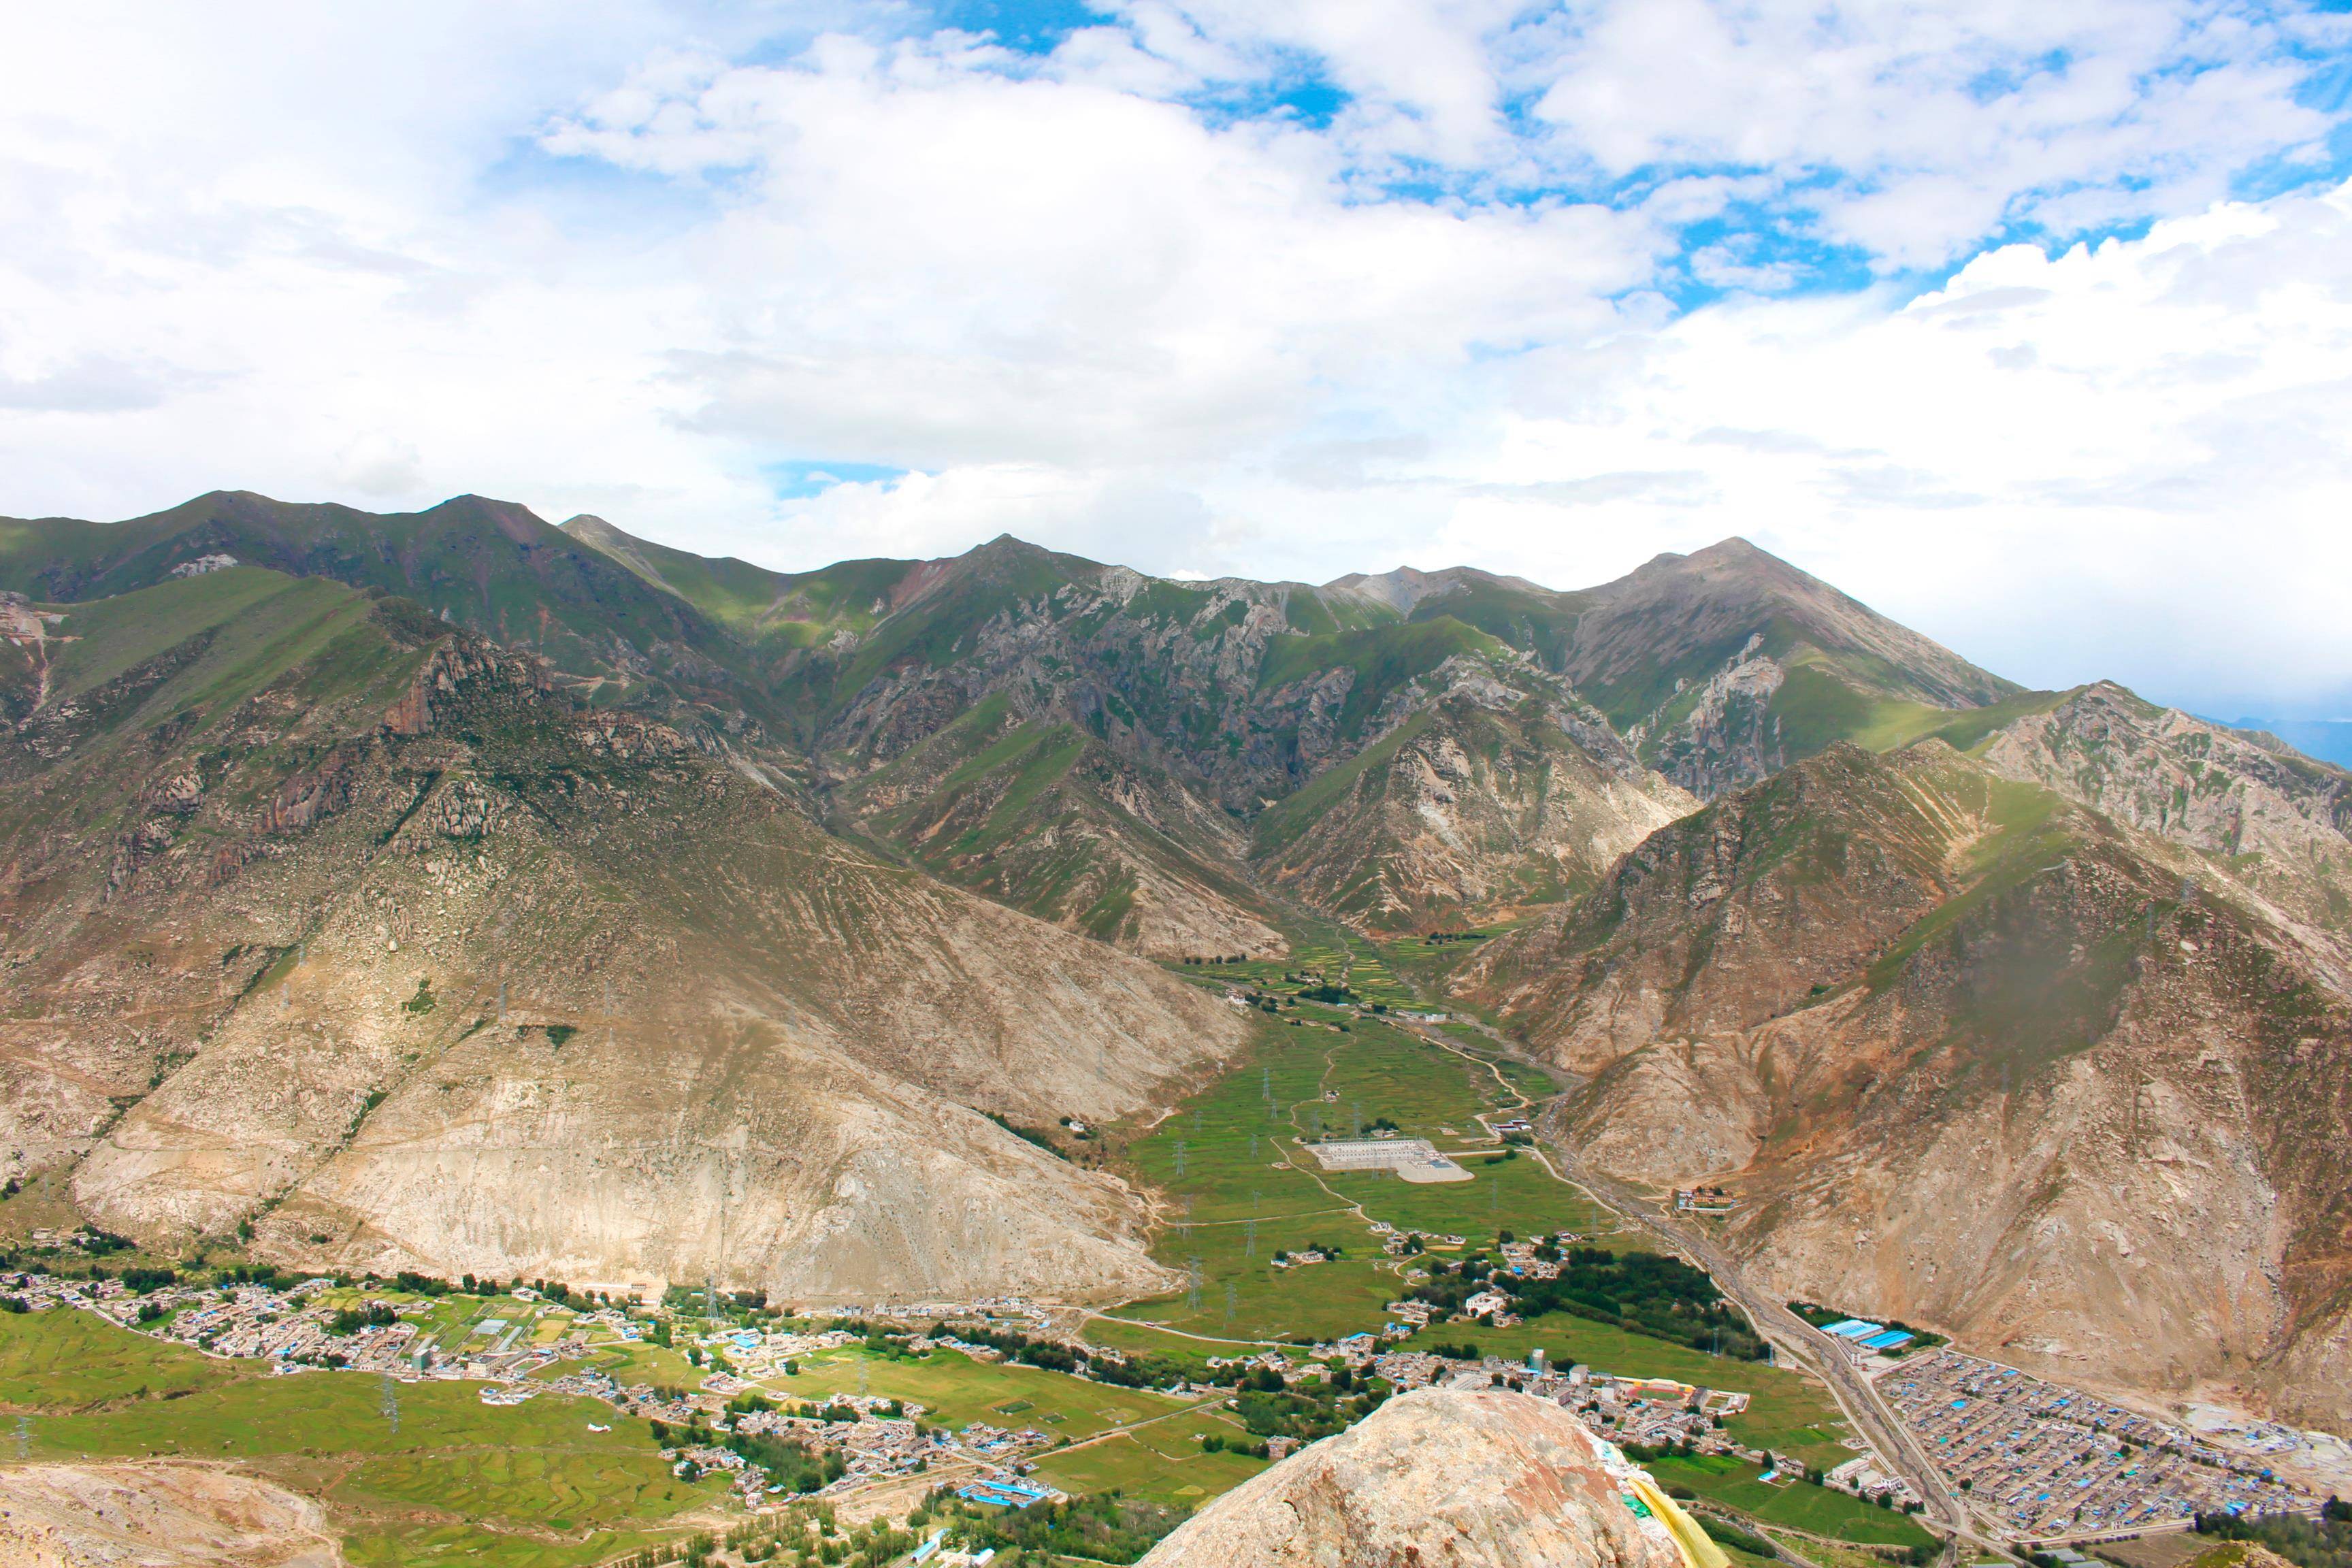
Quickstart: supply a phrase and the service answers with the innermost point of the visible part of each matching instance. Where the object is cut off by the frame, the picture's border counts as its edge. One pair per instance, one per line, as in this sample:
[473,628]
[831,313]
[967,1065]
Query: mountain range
[454,890]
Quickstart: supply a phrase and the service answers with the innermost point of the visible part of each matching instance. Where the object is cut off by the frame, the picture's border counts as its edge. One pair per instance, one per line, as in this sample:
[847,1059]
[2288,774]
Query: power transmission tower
[1180,1157]
[24,1436]
[388,1402]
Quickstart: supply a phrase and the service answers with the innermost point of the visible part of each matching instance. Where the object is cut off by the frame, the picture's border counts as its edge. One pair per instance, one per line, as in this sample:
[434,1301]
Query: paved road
[1816,1352]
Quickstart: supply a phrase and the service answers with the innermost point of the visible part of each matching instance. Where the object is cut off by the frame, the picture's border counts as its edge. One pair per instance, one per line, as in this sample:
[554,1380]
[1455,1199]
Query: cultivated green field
[957,1390]
[1231,1156]
[1160,1463]
[1239,1159]
[1799,1505]
[526,1486]
[1142,1442]
[55,1363]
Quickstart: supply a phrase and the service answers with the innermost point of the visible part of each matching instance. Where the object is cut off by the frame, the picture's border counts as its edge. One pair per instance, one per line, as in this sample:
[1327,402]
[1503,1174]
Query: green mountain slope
[1044,816]
[488,566]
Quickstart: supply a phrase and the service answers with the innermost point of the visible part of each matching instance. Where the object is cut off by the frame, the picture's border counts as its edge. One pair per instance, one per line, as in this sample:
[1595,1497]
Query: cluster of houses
[2045,1461]
[292,1329]
[1654,1411]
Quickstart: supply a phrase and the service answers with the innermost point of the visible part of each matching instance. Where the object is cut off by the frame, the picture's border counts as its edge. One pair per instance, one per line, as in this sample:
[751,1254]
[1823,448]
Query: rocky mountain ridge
[1974,1057]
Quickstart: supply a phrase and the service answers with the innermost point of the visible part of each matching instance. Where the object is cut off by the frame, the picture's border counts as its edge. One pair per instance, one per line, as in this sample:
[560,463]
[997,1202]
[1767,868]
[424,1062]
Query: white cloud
[605,265]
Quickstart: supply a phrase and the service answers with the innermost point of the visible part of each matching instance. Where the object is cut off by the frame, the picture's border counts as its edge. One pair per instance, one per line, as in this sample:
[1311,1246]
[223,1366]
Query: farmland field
[1231,1155]
[452,1479]
[1799,1505]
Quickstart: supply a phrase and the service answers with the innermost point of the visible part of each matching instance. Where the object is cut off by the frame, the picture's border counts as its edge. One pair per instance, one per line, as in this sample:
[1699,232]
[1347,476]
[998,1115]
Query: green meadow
[438,1475]
[1161,1463]
[1799,1505]
[956,1391]
[1142,1442]
[1230,1155]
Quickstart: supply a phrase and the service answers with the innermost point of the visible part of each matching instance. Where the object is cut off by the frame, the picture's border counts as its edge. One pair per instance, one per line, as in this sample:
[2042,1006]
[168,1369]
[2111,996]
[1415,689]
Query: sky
[2029,325]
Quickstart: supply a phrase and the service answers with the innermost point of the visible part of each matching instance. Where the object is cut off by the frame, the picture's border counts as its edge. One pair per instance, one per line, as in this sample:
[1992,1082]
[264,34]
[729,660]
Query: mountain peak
[1403,587]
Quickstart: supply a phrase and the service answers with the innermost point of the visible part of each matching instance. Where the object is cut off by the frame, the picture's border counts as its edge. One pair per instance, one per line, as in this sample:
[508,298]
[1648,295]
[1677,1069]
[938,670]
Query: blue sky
[2028,324]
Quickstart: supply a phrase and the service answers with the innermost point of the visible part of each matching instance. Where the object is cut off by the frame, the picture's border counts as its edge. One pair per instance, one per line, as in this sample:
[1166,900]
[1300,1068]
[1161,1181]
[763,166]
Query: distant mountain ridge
[1712,670]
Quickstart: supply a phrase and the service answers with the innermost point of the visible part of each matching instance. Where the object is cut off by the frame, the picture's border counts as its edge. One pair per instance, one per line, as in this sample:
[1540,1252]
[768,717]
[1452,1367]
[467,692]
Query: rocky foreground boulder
[1446,1478]
[157,1514]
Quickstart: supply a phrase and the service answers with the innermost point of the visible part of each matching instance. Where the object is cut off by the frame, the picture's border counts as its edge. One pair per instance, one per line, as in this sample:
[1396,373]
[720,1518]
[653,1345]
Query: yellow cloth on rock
[1697,1547]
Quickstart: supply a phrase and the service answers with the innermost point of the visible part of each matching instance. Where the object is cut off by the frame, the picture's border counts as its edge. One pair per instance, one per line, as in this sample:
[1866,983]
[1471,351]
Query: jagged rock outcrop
[1438,1477]
[1730,737]
[2265,814]
[1495,798]
[1972,1057]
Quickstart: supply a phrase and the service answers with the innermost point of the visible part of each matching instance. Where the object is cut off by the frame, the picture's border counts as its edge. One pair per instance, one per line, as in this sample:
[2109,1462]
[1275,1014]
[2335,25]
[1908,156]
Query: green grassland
[1799,1505]
[641,1362]
[1815,706]
[526,1486]
[1160,1463]
[59,1361]
[957,1390]
[1148,1445]
[1240,1160]
[1517,1195]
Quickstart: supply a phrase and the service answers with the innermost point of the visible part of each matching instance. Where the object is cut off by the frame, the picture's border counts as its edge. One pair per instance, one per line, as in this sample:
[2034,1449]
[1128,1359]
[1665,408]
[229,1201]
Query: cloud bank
[2029,325]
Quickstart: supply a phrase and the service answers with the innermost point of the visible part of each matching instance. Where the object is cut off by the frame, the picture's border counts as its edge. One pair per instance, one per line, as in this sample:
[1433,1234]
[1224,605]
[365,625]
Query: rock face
[157,1515]
[1492,800]
[2264,815]
[327,921]
[1439,1478]
[1044,816]
[1974,1057]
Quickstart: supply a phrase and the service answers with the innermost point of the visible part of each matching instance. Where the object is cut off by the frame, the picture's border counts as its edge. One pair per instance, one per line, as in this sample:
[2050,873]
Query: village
[2037,1461]
[522,1345]
[2045,1462]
